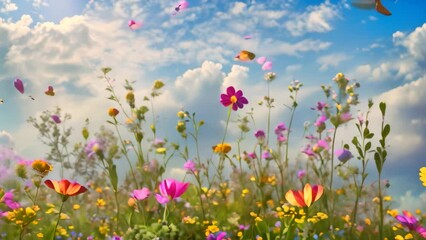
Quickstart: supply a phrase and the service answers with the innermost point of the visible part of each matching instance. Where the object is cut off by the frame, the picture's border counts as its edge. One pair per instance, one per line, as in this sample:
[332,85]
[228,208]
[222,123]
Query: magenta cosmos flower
[170,189]
[233,97]
[411,222]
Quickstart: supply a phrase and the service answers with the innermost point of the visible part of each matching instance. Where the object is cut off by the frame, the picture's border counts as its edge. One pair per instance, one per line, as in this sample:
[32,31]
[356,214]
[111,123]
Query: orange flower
[306,197]
[222,148]
[65,188]
[41,167]
[112,112]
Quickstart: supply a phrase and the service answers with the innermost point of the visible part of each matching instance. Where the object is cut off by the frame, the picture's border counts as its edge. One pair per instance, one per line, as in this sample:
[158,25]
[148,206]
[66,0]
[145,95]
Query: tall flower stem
[57,221]
[330,214]
[126,156]
[222,154]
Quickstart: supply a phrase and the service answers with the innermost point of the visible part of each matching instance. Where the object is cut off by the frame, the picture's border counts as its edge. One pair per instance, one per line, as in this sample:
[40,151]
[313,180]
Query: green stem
[126,156]
[57,221]
[331,179]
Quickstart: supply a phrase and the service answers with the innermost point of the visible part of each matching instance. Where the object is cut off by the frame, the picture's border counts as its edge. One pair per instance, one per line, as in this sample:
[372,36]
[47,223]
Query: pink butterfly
[266,65]
[134,25]
[19,85]
[183,4]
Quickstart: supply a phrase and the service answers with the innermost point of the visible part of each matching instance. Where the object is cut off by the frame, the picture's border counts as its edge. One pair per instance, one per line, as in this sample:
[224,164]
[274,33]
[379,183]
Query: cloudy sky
[65,43]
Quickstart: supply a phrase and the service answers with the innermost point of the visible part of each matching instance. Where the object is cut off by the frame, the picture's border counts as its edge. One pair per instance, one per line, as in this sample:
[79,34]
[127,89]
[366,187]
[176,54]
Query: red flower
[233,97]
[65,188]
[306,197]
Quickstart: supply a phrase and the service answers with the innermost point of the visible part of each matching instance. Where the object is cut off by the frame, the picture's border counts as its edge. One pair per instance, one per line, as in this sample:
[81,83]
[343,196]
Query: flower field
[236,191]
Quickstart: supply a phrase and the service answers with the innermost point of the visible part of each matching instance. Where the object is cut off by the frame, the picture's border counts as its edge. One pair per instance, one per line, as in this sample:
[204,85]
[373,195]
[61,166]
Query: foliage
[242,191]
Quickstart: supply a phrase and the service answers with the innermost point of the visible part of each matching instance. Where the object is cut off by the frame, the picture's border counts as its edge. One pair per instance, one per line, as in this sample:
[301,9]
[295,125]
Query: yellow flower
[75,206]
[387,198]
[222,148]
[100,203]
[161,150]
[422,175]
[40,235]
[393,212]
[181,114]
[376,200]
[367,221]
[41,167]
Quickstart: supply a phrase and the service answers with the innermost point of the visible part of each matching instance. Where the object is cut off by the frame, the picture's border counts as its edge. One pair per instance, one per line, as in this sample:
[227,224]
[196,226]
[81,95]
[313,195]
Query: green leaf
[106,70]
[113,176]
[366,132]
[382,106]
[355,141]
[369,136]
[386,131]
[367,146]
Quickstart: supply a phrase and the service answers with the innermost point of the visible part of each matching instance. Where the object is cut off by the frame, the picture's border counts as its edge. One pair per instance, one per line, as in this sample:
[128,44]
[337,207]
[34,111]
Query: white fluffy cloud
[315,19]
[7,6]
[331,60]
[409,65]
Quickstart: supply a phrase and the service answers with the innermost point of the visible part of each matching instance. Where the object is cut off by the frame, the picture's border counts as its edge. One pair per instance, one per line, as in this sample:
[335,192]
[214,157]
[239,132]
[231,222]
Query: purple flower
[216,236]
[170,189]
[190,166]
[141,194]
[320,106]
[277,224]
[343,155]
[308,151]
[260,135]
[234,98]
[281,127]
[56,119]
[408,220]
[8,200]
[243,227]
[301,174]
[93,147]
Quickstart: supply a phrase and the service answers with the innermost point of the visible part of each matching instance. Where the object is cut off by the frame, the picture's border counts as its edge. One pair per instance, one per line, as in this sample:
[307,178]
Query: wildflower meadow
[164,120]
[239,191]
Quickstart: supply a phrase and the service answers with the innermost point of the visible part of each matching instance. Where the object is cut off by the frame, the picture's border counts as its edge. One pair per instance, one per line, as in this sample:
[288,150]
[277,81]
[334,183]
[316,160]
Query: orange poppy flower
[306,197]
[222,148]
[65,188]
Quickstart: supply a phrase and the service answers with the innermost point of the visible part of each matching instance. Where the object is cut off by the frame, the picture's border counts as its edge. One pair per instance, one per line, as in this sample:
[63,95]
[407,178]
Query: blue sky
[65,43]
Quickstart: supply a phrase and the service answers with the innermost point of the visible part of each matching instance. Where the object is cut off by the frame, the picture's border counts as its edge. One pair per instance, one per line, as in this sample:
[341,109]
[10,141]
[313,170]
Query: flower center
[233,99]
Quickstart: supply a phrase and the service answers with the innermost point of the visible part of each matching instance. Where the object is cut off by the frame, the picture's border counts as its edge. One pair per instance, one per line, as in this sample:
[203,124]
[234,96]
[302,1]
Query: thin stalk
[331,179]
[57,221]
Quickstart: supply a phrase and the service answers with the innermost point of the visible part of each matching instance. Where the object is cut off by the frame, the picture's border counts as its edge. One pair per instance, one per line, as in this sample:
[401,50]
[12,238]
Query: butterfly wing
[19,85]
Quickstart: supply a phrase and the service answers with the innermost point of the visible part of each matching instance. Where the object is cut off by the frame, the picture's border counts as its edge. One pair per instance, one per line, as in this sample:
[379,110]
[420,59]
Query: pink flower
[141,194]
[190,166]
[234,98]
[56,119]
[320,121]
[170,189]
[301,174]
